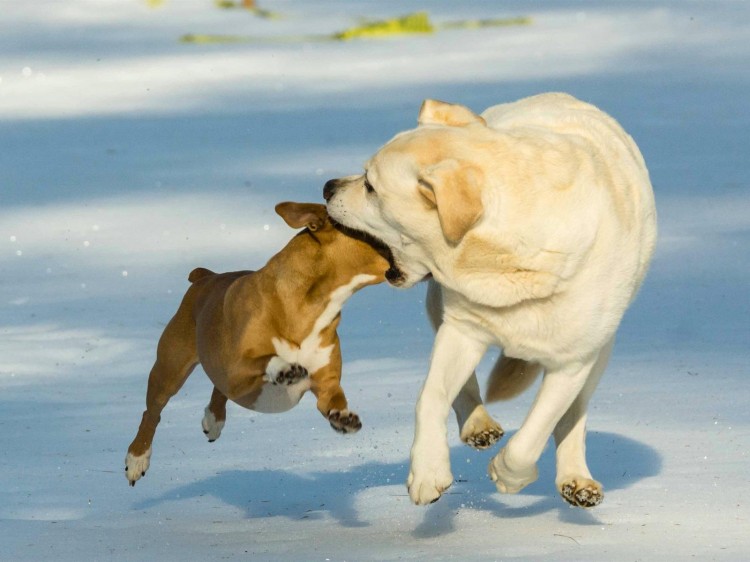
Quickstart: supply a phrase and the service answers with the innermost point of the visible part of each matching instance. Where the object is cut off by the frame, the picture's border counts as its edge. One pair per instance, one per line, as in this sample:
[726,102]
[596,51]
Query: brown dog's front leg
[326,386]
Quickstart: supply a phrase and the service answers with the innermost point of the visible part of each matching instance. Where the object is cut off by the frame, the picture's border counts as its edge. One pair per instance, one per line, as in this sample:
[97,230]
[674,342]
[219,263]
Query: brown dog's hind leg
[176,358]
[215,416]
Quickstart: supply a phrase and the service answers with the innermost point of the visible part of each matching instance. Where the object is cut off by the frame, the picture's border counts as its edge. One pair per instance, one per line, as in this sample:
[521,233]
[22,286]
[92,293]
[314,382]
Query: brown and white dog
[264,338]
[536,221]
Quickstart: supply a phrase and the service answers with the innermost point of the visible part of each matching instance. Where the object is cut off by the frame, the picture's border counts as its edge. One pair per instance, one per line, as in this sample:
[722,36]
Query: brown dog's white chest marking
[310,354]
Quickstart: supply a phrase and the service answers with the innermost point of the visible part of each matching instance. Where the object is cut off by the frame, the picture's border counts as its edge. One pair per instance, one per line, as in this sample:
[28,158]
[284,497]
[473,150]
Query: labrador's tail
[510,377]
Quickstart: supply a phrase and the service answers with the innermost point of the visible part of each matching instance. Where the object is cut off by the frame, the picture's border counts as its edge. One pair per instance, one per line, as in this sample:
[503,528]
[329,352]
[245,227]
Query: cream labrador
[536,222]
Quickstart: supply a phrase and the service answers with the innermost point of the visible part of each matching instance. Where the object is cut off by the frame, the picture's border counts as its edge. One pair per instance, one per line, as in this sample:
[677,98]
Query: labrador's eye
[368,186]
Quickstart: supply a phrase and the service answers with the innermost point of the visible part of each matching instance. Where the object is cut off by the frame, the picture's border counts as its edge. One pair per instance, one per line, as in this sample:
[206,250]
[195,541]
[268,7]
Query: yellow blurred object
[415,23]
[418,22]
[155,3]
[205,39]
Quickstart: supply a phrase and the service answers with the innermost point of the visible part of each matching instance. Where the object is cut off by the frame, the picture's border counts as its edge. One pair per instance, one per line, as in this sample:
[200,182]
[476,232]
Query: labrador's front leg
[454,358]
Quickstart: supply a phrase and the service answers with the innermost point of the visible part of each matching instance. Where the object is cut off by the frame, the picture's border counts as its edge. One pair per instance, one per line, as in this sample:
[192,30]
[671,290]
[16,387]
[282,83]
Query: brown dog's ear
[298,215]
[455,190]
[434,112]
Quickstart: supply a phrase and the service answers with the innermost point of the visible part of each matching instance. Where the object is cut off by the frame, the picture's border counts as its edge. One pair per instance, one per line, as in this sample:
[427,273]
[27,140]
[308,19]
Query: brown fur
[227,321]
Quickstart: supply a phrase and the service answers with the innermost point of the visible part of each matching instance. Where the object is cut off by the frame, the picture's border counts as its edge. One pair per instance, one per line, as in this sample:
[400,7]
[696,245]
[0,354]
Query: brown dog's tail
[199,273]
[510,377]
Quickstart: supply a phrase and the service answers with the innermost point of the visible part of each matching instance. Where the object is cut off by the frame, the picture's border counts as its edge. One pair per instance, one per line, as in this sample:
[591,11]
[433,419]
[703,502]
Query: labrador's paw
[581,492]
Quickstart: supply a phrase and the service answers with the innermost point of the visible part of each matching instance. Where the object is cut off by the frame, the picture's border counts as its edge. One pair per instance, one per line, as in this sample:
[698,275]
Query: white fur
[275,366]
[211,427]
[566,234]
[274,399]
[454,357]
[137,465]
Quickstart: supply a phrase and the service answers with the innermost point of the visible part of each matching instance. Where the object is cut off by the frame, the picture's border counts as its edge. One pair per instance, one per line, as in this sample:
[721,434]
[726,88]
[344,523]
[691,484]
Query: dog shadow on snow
[616,461]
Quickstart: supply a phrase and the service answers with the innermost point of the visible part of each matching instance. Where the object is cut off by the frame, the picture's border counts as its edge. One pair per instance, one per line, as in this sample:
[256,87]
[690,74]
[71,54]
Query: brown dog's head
[421,193]
[348,252]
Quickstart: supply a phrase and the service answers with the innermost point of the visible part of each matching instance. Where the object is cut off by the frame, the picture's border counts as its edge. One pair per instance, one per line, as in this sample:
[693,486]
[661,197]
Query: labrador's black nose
[329,188]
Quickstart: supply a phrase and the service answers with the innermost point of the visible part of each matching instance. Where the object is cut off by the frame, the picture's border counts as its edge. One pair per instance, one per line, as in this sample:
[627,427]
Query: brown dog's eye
[368,186]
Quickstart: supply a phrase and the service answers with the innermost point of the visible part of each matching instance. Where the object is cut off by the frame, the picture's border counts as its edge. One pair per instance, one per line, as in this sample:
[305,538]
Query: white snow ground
[128,158]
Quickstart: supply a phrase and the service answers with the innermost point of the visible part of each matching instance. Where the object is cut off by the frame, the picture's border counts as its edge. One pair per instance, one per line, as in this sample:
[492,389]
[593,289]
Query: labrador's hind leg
[574,481]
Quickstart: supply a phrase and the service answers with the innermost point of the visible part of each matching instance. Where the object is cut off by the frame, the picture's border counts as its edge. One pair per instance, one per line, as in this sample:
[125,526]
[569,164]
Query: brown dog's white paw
[292,375]
[582,492]
[136,466]
[282,372]
[344,421]
[211,426]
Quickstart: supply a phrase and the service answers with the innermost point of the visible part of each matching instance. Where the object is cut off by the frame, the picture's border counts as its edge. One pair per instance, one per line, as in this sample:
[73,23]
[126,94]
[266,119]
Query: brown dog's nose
[328,189]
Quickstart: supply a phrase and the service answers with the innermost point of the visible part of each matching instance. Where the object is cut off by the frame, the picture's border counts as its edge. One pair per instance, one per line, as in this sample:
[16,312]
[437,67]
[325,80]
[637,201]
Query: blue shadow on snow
[617,461]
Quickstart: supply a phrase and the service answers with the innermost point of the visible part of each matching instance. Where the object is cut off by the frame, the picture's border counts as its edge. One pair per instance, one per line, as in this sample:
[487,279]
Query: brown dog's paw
[344,421]
[291,375]
[136,466]
[582,493]
[211,426]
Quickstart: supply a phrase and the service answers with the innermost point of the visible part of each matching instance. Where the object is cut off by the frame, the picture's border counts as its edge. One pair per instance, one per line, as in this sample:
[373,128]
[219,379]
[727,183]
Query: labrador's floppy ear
[434,112]
[454,189]
[298,215]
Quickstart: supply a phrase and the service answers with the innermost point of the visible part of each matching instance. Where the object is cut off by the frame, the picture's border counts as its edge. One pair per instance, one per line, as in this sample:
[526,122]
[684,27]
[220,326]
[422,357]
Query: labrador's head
[420,193]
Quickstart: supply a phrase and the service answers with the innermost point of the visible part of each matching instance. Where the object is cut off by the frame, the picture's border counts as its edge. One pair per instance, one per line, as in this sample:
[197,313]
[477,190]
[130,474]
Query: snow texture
[128,158]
